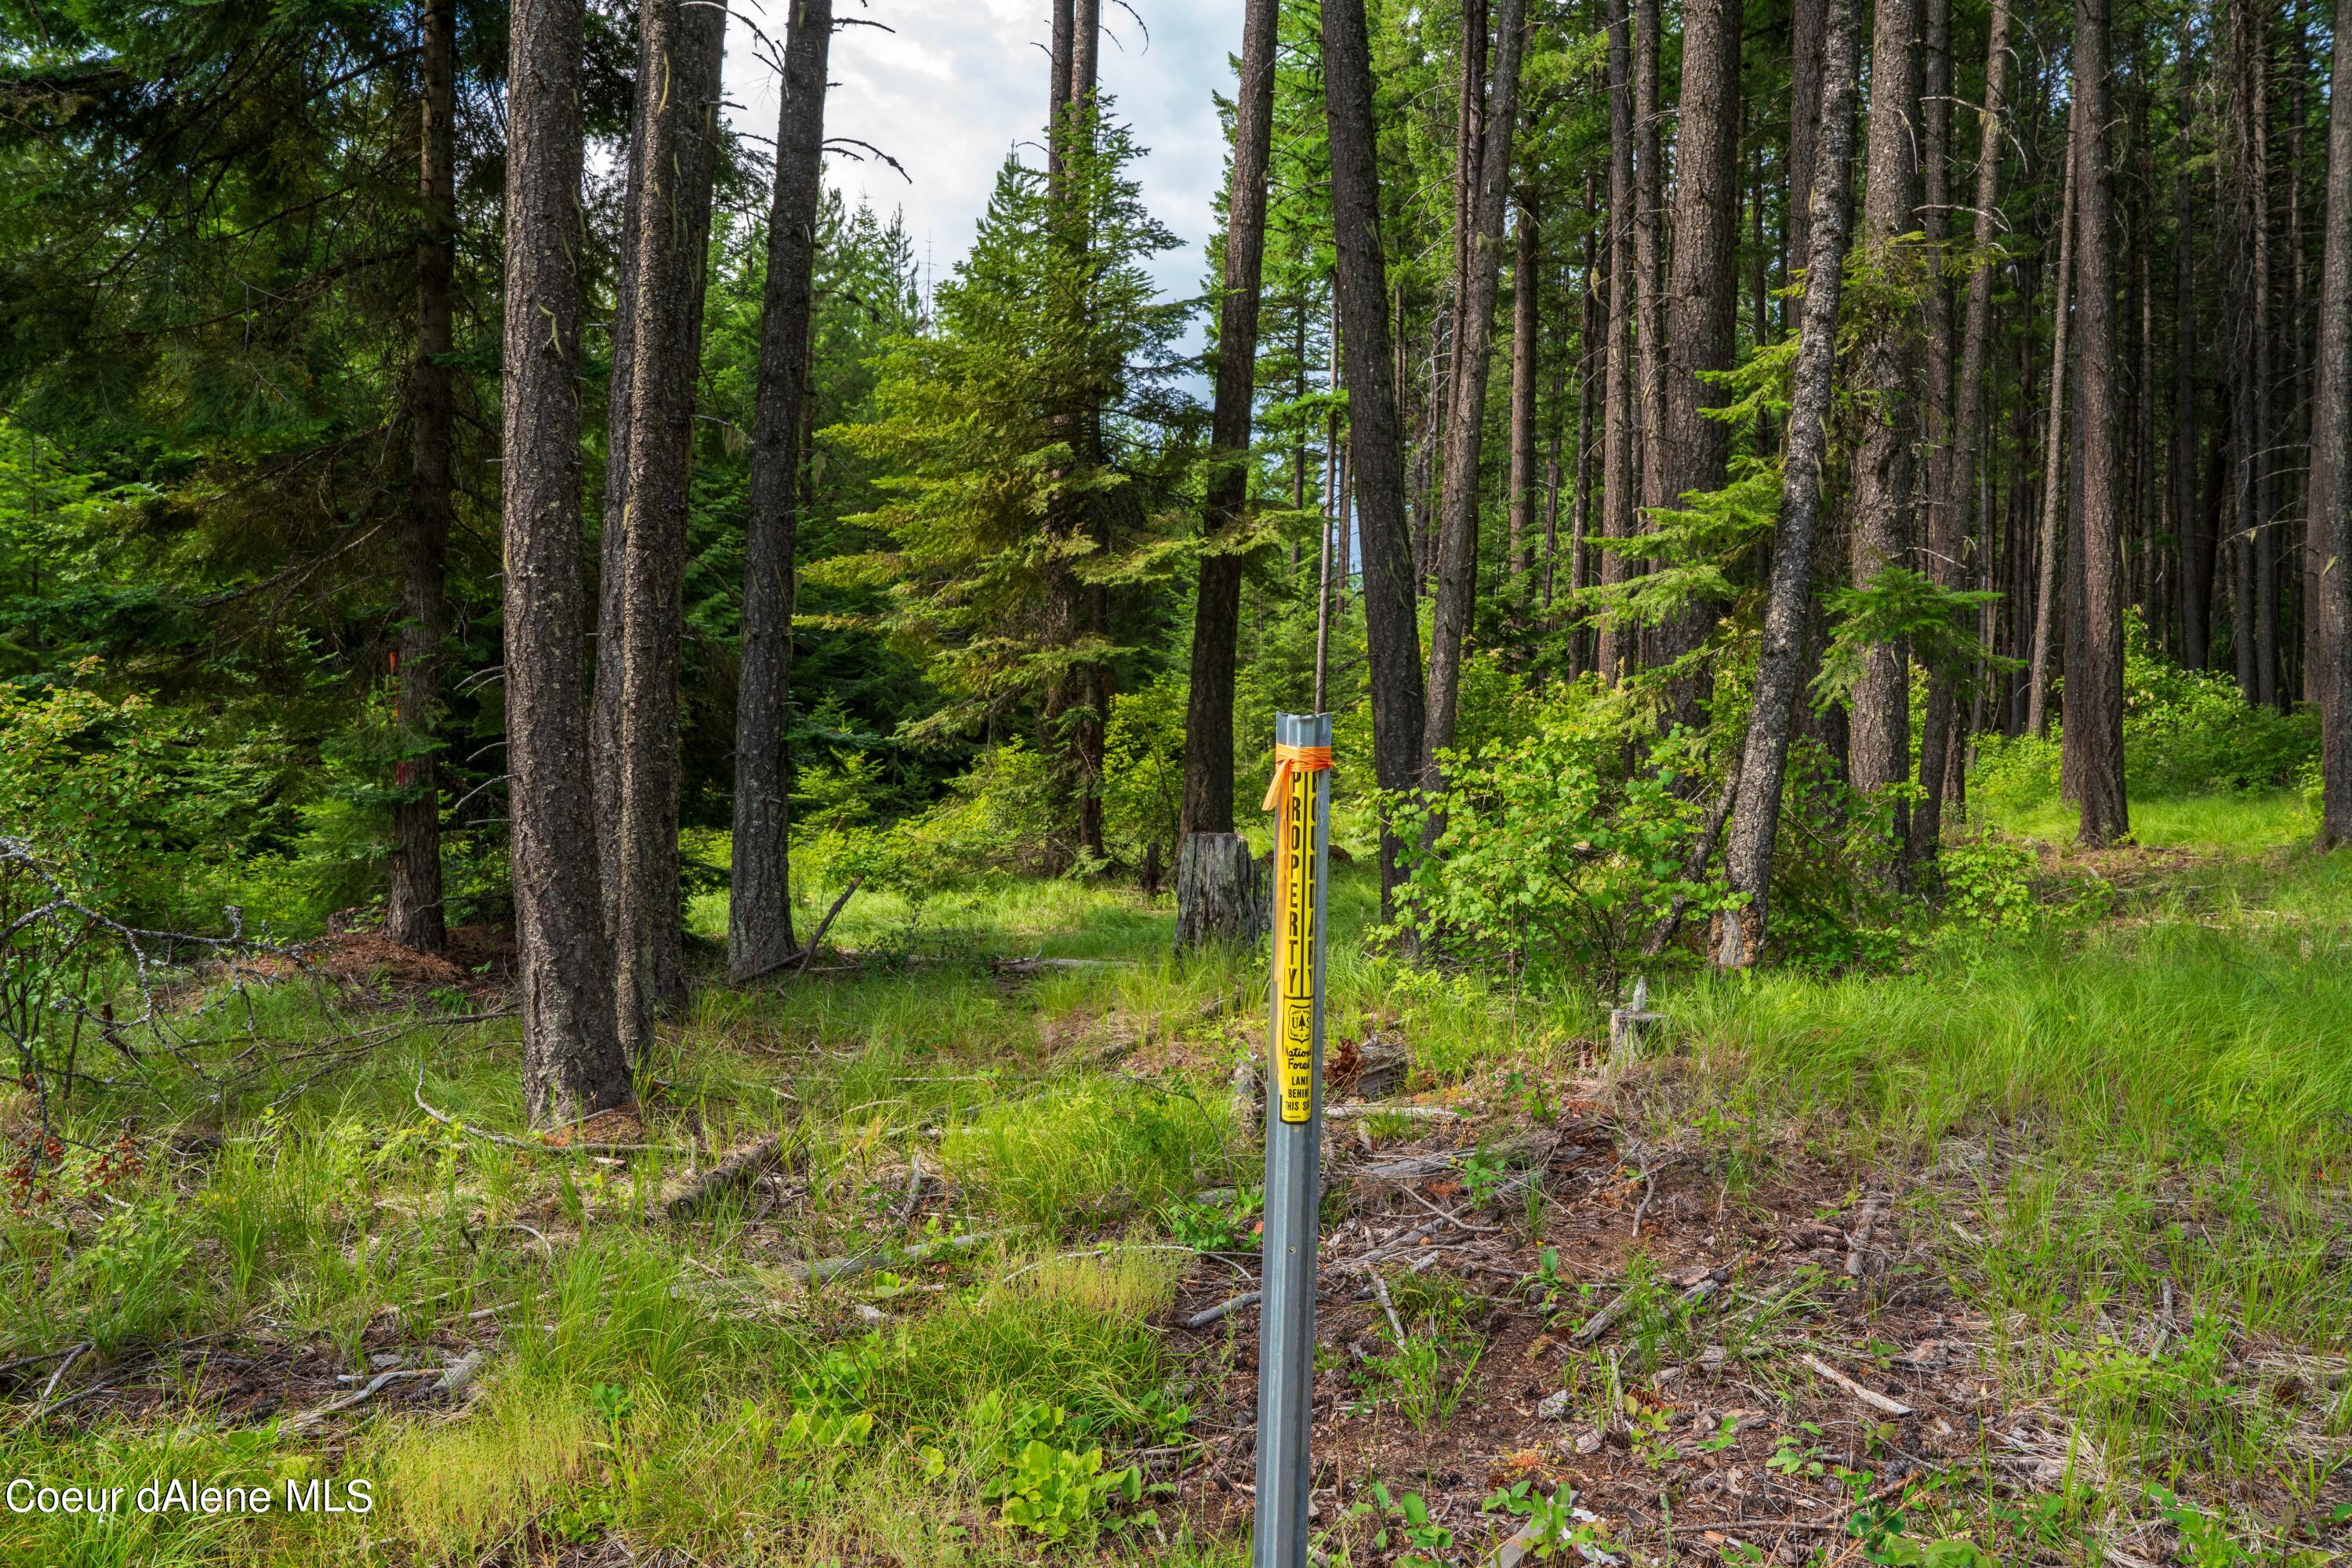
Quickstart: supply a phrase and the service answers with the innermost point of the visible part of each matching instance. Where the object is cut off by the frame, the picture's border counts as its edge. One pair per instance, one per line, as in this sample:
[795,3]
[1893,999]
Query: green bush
[1552,854]
[134,803]
[2186,732]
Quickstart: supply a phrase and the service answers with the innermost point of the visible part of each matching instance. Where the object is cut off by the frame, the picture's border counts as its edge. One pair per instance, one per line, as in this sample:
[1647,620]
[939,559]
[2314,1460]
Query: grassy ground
[2073,1191]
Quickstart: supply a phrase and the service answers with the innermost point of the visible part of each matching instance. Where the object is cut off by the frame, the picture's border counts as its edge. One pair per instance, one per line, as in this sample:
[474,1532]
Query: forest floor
[2036,1249]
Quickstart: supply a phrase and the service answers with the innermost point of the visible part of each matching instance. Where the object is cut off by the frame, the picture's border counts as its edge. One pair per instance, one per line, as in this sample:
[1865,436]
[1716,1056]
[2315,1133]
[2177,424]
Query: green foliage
[137,804]
[1143,771]
[1552,855]
[1899,606]
[1555,1526]
[1424,1542]
[2186,733]
[1023,444]
[1060,1492]
[2189,731]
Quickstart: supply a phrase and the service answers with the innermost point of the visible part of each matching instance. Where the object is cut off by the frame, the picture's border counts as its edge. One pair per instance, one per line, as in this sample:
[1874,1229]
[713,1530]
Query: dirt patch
[1668,1421]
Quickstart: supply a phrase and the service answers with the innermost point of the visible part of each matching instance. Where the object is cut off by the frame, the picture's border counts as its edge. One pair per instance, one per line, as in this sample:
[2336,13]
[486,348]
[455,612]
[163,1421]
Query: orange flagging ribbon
[1288,759]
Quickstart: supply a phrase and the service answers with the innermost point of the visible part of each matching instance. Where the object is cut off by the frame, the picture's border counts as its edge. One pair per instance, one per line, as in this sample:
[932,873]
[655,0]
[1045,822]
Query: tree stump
[1220,896]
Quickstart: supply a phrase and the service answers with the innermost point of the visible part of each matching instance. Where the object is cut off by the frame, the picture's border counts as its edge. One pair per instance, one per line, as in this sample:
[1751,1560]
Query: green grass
[2238,822]
[2144,1089]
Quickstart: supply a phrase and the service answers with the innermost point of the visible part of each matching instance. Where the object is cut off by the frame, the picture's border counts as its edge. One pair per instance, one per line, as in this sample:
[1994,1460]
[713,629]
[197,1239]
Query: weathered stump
[1220,896]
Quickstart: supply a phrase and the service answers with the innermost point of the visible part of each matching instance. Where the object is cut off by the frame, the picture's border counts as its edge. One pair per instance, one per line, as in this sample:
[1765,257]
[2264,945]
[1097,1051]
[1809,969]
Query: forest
[635,921]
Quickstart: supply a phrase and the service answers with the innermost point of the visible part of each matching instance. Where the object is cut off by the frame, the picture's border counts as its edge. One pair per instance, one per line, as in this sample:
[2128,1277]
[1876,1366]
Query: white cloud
[959,83]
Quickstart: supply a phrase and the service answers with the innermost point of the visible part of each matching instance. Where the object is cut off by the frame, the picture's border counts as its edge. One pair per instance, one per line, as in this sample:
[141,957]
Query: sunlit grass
[2237,822]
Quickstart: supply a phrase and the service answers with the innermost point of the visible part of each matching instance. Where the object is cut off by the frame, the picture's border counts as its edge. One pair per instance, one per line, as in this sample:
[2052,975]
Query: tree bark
[1649,248]
[2263,460]
[1703,298]
[1807,20]
[2249,227]
[1208,786]
[2331,458]
[1391,631]
[1591,355]
[678,57]
[1938,529]
[1883,478]
[1458,552]
[2037,688]
[2187,516]
[1619,439]
[612,571]
[1058,97]
[1219,894]
[759,900]
[1524,325]
[2094,651]
[1955,523]
[572,1064]
[1739,937]
[412,908]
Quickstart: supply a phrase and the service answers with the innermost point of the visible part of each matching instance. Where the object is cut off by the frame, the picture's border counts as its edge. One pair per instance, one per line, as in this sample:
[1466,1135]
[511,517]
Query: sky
[958,82]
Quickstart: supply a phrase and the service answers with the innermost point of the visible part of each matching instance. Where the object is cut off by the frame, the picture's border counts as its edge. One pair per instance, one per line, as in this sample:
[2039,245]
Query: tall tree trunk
[1058,52]
[2053,458]
[1208,786]
[1620,456]
[1883,481]
[1094,683]
[679,48]
[1086,52]
[2331,454]
[1953,521]
[1807,18]
[2187,516]
[1703,298]
[2265,459]
[1524,324]
[572,1065]
[612,572]
[1739,937]
[1939,527]
[1391,630]
[759,899]
[2094,651]
[412,910]
[1457,556]
[1649,248]
[1591,354]
[2249,191]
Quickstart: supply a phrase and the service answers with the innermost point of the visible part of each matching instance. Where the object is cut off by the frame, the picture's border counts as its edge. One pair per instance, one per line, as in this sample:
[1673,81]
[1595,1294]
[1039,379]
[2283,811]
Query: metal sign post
[1301,796]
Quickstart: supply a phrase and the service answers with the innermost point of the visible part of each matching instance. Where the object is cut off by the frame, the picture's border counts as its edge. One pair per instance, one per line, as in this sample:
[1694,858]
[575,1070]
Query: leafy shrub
[2189,732]
[1552,854]
[1143,770]
[2186,732]
[137,805]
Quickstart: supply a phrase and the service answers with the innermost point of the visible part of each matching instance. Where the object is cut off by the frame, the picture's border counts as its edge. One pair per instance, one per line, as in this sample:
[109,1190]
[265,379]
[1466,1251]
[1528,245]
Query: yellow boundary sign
[1294,900]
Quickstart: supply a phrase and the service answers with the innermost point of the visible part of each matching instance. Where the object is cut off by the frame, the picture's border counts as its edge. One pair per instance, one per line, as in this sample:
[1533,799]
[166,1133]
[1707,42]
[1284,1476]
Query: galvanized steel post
[1293,1129]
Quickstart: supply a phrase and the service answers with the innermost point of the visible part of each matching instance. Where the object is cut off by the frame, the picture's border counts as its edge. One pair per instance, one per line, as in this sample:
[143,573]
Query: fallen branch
[65,1366]
[829,1269]
[309,1418]
[534,1144]
[825,925]
[1858,1246]
[1039,965]
[738,1169]
[1380,1288]
[1871,1397]
[1599,1324]
[1409,1113]
[914,1189]
[1225,1309]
